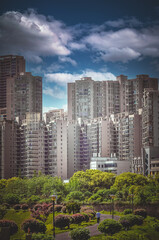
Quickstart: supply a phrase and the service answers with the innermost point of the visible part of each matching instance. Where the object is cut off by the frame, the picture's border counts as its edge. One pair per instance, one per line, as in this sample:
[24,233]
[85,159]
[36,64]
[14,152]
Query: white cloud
[125,44]
[122,55]
[68,59]
[63,78]
[123,22]
[33,35]
[55,92]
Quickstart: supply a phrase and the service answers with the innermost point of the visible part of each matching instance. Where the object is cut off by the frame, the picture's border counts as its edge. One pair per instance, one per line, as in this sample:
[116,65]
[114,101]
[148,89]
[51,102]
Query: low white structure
[110,164]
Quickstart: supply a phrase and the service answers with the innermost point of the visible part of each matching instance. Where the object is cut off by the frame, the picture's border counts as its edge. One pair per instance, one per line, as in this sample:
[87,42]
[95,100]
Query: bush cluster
[11,224]
[61,221]
[141,212]
[73,207]
[127,211]
[17,207]
[33,226]
[109,226]
[130,220]
[80,234]
[77,218]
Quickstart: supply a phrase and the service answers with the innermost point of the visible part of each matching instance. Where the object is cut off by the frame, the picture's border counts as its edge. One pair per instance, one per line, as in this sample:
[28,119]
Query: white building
[109,164]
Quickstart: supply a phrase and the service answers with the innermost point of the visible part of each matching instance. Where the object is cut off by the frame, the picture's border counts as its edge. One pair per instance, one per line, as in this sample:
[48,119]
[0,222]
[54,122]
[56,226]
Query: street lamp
[53,197]
[132,198]
[112,197]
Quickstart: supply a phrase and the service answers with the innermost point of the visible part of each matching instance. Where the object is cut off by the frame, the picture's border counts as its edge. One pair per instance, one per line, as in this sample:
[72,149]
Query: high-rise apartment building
[24,95]
[150,118]
[53,115]
[88,99]
[9,148]
[10,65]
[57,148]
[34,145]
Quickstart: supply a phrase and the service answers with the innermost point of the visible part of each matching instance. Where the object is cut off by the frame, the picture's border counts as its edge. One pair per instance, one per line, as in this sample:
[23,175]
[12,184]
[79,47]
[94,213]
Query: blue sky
[64,40]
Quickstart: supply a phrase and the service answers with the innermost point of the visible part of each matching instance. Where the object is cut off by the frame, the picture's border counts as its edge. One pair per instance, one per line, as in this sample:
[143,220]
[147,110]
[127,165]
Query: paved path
[93,229]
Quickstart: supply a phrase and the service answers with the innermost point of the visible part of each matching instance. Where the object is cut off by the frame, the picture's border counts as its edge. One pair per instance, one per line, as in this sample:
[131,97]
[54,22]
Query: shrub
[73,207]
[141,212]
[63,209]
[17,207]
[34,226]
[80,234]
[62,221]
[58,208]
[130,220]
[109,226]
[90,211]
[2,211]
[37,206]
[11,224]
[33,200]
[6,205]
[85,208]
[77,218]
[40,236]
[86,217]
[127,211]
[24,206]
[11,198]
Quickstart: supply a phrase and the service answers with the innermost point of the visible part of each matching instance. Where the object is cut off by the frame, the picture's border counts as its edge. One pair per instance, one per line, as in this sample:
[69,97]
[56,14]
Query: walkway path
[93,229]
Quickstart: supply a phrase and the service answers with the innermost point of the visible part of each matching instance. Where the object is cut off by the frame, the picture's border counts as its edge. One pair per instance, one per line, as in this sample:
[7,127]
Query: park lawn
[115,213]
[18,217]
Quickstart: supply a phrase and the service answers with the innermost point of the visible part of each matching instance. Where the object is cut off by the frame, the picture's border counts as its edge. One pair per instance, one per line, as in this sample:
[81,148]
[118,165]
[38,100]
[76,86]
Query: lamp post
[112,197]
[53,201]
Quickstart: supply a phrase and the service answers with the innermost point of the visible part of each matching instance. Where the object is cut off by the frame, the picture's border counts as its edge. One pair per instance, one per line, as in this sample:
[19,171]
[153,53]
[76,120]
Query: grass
[18,217]
[115,213]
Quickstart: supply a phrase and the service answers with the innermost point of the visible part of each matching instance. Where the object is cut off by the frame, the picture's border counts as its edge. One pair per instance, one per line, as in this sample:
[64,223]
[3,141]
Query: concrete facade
[24,95]
[10,65]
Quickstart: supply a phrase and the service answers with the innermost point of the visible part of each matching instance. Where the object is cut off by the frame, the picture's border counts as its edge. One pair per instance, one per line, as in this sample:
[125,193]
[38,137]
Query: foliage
[90,212]
[109,226]
[130,220]
[128,179]
[32,200]
[141,212]
[63,209]
[11,198]
[17,207]
[91,180]
[77,218]
[127,211]
[75,195]
[40,236]
[73,207]
[58,208]
[33,226]
[62,221]
[24,206]
[86,217]
[2,211]
[152,222]
[11,224]
[80,234]
[41,211]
